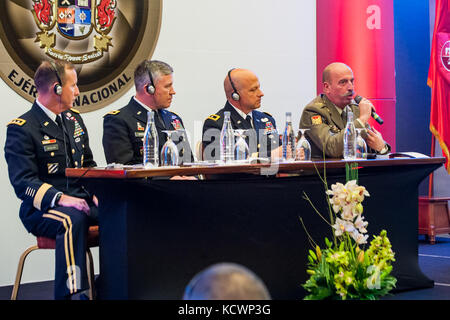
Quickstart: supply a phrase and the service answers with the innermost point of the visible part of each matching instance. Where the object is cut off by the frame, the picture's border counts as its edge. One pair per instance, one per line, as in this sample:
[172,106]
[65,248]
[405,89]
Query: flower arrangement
[343,270]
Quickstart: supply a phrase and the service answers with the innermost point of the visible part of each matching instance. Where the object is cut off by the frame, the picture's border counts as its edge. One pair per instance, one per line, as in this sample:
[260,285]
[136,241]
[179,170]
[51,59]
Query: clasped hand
[77,203]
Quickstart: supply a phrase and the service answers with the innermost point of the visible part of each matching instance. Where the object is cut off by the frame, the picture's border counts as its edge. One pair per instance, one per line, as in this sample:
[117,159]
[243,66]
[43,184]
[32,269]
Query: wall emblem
[74,20]
[104,39]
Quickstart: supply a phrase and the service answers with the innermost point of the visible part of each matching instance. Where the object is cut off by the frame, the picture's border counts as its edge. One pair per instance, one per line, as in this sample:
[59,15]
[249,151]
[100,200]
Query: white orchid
[347,197]
[356,193]
[359,237]
[342,226]
[348,212]
[360,224]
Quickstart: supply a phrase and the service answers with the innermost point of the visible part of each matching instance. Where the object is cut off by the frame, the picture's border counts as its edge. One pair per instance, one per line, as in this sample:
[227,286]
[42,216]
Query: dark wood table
[156,234]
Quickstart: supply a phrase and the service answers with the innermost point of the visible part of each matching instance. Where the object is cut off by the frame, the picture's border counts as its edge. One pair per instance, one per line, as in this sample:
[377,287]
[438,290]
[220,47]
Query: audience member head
[226,281]
[337,79]
[154,84]
[56,84]
[246,85]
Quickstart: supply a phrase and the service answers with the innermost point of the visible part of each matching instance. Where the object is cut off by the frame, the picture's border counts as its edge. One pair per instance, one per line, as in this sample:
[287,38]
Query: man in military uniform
[123,129]
[325,116]
[243,93]
[40,145]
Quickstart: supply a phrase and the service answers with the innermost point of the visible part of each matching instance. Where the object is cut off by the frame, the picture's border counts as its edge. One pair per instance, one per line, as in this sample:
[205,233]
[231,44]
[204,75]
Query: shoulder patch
[17,121]
[114,112]
[316,119]
[74,110]
[268,114]
[214,117]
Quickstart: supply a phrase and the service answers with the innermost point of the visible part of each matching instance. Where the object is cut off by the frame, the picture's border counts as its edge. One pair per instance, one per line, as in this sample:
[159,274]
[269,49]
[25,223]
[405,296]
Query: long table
[156,234]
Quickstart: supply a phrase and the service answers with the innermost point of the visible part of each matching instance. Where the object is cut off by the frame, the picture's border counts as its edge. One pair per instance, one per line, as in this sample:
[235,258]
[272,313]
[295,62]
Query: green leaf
[312,254]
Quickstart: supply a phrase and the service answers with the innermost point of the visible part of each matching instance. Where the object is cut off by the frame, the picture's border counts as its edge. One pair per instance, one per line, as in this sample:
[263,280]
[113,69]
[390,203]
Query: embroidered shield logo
[105,39]
[75,20]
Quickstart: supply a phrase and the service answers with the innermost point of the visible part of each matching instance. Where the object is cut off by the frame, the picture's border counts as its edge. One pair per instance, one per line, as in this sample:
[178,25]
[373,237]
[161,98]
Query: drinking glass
[241,150]
[303,148]
[169,151]
[361,146]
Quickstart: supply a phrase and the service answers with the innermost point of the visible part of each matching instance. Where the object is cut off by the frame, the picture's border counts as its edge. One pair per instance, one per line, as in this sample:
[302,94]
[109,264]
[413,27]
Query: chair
[434,217]
[48,243]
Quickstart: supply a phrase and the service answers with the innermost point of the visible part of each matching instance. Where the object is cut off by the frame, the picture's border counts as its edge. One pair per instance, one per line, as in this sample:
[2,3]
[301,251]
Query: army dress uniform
[38,151]
[262,132]
[327,126]
[123,133]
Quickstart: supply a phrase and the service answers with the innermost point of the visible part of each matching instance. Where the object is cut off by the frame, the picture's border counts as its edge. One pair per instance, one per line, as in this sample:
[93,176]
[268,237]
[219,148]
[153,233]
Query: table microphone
[374,114]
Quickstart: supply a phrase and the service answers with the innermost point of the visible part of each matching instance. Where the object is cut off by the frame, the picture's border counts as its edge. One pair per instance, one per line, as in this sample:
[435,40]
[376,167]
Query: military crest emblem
[74,20]
[105,39]
[445,55]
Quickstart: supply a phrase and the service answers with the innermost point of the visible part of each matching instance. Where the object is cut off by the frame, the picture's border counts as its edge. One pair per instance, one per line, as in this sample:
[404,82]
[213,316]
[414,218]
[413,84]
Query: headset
[151,86]
[235,94]
[58,87]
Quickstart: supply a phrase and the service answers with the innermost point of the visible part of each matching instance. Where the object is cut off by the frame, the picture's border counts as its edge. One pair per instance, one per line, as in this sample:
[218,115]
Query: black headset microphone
[374,115]
[150,87]
[235,95]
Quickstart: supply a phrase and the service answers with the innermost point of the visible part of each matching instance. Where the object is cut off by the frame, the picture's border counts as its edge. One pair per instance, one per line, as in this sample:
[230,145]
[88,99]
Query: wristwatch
[58,197]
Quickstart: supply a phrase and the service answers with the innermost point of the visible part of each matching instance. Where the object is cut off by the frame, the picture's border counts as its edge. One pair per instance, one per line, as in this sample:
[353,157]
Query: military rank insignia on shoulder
[17,121]
[214,117]
[74,110]
[316,119]
[174,115]
[268,114]
[114,112]
[319,104]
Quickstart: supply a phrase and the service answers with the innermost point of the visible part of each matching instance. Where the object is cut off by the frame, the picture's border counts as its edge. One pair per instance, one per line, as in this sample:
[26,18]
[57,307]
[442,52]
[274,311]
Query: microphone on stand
[377,118]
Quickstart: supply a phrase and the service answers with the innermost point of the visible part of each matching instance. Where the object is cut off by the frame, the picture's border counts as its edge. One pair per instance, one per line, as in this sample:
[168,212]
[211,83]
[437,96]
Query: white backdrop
[202,40]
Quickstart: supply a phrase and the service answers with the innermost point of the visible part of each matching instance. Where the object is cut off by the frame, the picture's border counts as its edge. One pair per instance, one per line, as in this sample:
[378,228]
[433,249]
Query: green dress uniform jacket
[326,127]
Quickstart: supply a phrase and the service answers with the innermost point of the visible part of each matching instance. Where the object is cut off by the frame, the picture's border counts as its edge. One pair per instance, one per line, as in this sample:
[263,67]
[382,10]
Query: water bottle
[151,142]
[227,140]
[288,139]
[349,138]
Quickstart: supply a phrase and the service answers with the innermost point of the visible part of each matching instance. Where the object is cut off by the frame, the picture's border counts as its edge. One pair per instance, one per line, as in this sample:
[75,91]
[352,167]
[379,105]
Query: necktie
[64,132]
[249,120]
[159,119]
[344,115]
[60,125]
[59,121]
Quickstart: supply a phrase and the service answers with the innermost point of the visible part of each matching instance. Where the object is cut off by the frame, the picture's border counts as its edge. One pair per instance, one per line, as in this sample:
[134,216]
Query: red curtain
[439,79]
[360,33]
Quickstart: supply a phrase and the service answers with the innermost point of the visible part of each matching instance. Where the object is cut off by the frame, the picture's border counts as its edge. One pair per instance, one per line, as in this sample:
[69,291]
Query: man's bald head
[239,77]
[332,68]
[338,83]
[247,86]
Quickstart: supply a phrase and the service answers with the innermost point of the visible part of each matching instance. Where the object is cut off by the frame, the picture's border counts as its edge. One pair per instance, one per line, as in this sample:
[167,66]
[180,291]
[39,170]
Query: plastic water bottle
[151,142]
[227,140]
[288,139]
[349,138]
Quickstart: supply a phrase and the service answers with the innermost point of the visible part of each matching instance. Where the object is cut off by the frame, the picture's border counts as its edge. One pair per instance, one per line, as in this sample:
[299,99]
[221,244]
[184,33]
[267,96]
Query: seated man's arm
[210,139]
[23,169]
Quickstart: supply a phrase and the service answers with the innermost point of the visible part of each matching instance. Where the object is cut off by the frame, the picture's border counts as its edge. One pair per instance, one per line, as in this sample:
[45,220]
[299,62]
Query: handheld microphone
[377,118]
